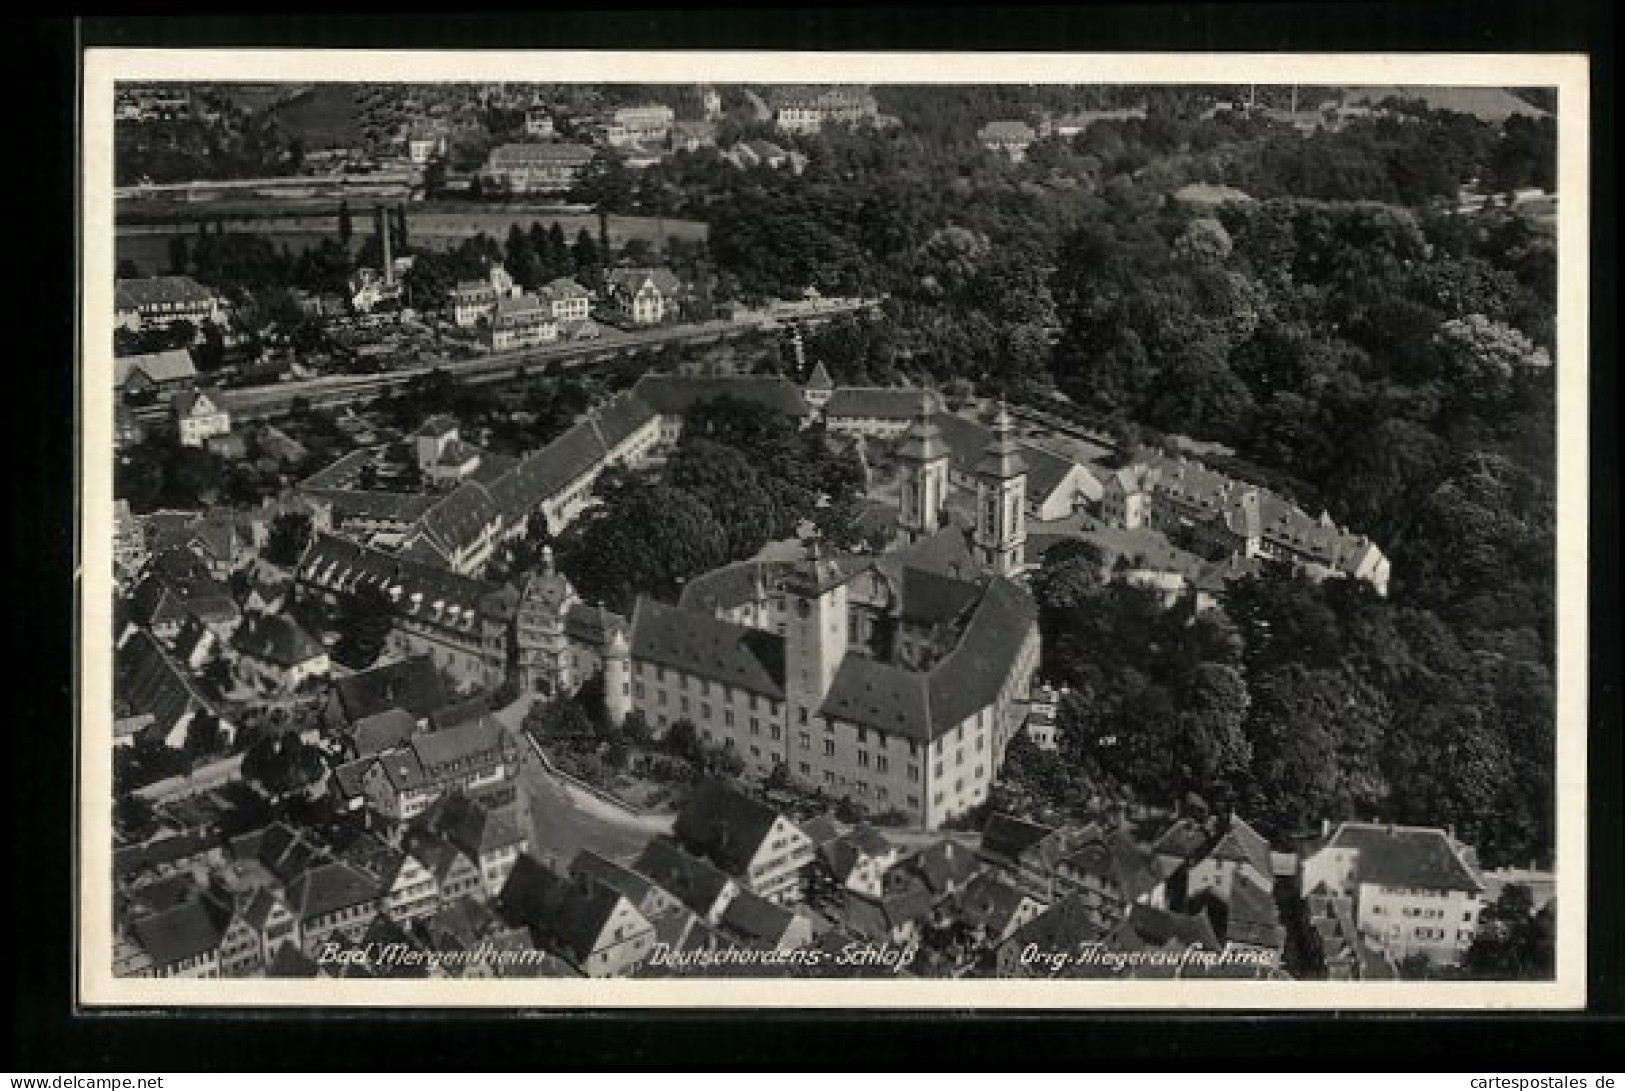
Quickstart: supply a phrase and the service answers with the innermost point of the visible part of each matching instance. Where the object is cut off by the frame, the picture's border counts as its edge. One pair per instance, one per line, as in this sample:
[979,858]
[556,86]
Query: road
[562,819]
[276,399]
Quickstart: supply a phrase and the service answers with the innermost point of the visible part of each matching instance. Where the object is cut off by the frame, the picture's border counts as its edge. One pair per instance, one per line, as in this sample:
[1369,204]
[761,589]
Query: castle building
[559,640]
[895,682]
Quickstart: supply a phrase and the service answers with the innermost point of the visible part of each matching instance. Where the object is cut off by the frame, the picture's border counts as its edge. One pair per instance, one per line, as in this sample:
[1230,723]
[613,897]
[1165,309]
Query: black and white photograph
[833,530]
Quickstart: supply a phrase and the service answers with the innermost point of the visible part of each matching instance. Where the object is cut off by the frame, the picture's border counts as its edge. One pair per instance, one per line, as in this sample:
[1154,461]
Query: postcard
[569,530]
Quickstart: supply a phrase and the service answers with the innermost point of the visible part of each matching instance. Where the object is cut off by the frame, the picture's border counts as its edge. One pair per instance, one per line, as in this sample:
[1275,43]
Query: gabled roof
[1064,926]
[189,403]
[1015,838]
[1117,860]
[169,365]
[696,883]
[819,379]
[475,828]
[877,402]
[820,829]
[698,644]
[662,280]
[383,731]
[149,682]
[970,677]
[991,902]
[528,155]
[182,932]
[412,684]
[421,592]
[1159,927]
[571,911]
[277,639]
[756,919]
[1243,844]
[1406,856]
[133,293]
[944,864]
[446,749]
[724,825]
[330,886]
[629,884]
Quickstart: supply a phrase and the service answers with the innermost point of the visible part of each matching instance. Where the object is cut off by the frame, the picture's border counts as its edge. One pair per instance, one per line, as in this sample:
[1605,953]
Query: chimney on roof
[1325,827]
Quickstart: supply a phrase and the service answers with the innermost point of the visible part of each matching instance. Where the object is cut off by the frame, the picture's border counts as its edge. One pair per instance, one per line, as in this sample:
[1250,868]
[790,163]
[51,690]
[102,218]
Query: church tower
[1001,500]
[923,457]
[815,639]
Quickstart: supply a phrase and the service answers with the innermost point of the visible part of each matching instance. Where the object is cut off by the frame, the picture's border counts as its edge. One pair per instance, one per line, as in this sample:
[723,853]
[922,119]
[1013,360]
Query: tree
[282,764]
[290,533]
[364,622]
[1513,942]
[560,718]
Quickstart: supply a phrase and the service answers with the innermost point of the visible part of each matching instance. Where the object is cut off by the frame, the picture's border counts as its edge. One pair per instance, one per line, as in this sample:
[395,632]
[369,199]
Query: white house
[199,417]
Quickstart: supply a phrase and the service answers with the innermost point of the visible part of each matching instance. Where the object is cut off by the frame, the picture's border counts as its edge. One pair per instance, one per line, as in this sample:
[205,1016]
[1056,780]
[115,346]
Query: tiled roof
[526,155]
[1405,856]
[880,695]
[970,677]
[619,418]
[275,639]
[706,647]
[1013,838]
[724,825]
[626,882]
[991,902]
[166,366]
[1244,844]
[1064,926]
[632,281]
[548,473]
[445,749]
[459,520]
[1158,927]
[944,864]
[383,731]
[877,402]
[696,883]
[131,294]
[330,886]
[512,308]
[149,682]
[422,592]
[182,932]
[412,684]
[819,379]
[756,919]
[565,288]
[1118,860]
[572,912]
[476,828]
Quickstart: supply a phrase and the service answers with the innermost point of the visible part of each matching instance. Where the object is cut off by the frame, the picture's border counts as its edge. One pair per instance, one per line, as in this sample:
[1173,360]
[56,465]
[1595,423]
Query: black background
[48,1035]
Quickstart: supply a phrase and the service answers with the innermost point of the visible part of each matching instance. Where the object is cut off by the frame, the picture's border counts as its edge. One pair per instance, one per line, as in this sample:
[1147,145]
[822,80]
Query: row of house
[271,900]
[1220,516]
